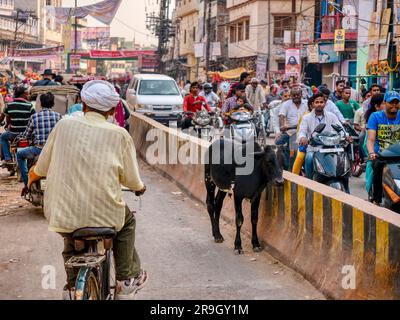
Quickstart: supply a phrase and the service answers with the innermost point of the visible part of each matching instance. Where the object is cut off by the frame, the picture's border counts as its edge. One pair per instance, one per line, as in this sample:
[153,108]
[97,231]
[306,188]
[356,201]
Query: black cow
[222,172]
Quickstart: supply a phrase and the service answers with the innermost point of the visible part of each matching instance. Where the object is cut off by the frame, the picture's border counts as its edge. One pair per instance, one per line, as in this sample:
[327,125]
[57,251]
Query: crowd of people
[295,110]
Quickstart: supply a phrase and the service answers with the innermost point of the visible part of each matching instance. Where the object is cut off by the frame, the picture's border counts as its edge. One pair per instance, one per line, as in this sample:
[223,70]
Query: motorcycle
[391,177]
[357,165]
[331,163]
[12,167]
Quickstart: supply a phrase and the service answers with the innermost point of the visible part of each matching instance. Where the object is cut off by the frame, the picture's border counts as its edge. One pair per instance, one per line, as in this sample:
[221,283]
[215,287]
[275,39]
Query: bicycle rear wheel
[87,285]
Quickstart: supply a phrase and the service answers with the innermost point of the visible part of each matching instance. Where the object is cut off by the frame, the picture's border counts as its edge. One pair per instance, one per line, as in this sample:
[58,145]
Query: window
[282,23]
[247,30]
[184,37]
[281,65]
[240,31]
[158,87]
[194,34]
[232,33]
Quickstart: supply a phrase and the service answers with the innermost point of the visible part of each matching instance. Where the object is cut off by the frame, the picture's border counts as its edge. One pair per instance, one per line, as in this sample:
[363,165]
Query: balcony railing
[330,23]
[9,25]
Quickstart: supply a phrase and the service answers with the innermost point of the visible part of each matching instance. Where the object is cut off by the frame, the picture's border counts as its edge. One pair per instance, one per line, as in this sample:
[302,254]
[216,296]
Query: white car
[156,96]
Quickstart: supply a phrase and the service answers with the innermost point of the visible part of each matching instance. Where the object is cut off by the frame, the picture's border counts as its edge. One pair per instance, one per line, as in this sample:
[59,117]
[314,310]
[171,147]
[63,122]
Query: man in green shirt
[346,106]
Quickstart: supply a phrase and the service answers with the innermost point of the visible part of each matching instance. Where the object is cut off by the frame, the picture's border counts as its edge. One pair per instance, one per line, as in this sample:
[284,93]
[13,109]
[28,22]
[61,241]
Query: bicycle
[95,266]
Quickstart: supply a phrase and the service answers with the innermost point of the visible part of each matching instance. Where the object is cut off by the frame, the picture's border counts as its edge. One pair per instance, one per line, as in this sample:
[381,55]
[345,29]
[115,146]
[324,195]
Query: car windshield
[158,88]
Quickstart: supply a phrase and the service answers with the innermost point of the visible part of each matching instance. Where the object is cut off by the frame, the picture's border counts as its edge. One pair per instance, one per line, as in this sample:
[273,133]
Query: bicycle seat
[94,233]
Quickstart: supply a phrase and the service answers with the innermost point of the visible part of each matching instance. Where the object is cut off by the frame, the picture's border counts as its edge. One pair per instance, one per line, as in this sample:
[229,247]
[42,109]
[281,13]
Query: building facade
[265,29]
[187,18]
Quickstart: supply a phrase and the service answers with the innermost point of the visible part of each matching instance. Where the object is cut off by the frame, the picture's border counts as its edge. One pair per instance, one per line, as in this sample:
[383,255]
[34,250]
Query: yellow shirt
[86,160]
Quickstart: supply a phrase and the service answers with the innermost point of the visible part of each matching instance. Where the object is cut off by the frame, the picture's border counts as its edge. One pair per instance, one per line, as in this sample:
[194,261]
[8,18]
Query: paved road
[175,244]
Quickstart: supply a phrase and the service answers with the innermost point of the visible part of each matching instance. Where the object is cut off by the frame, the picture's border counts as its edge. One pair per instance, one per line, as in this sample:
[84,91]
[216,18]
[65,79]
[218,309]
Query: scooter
[36,186]
[241,127]
[391,177]
[331,162]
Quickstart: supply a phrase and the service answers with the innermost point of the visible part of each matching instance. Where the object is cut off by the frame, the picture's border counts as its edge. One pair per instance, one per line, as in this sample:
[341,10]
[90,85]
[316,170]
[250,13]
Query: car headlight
[144,106]
[330,141]
[177,107]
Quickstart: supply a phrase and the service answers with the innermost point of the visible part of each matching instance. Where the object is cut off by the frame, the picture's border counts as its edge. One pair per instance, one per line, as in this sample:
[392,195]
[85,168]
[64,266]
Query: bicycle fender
[80,283]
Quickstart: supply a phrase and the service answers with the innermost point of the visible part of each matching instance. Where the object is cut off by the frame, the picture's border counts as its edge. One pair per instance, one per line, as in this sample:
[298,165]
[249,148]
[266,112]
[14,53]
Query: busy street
[199,150]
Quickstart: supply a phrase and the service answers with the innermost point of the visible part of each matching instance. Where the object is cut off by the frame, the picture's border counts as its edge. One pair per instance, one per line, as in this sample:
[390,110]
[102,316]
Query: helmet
[207,86]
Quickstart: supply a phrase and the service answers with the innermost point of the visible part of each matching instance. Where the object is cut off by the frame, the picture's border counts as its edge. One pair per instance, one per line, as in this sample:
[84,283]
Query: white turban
[100,95]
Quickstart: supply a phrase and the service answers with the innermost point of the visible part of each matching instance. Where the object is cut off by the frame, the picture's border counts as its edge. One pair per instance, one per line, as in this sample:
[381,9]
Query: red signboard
[105,54]
[148,61]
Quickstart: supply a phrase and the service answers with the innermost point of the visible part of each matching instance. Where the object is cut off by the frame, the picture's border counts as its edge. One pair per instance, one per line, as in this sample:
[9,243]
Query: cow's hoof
[257,249]
[219,239]
[239,252]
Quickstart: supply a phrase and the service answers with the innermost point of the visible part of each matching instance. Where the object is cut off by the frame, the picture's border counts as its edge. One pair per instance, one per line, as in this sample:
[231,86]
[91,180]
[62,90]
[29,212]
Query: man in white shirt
[310,122]
[289,116]
[255,94]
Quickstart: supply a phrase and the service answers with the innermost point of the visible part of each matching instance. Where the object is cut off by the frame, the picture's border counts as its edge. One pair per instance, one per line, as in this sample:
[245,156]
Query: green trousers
[127,262]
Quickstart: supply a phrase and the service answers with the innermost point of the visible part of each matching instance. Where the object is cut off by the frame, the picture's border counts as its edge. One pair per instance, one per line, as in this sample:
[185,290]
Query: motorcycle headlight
[330,141]
[202,121]
[346,164]
[320,168]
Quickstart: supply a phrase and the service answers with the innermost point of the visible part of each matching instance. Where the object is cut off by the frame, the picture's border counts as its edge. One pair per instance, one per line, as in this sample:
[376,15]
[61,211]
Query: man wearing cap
[86,161]
[383,131]
[211,97]
[255,94]
[47,80]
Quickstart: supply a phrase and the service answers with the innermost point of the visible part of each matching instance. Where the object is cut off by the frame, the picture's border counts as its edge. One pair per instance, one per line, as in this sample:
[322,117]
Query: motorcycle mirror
[336,127]
[320,128]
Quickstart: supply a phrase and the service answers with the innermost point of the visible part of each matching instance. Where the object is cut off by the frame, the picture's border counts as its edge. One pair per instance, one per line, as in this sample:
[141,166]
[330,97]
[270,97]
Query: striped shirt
[40,126]
[19,111]
[86,160]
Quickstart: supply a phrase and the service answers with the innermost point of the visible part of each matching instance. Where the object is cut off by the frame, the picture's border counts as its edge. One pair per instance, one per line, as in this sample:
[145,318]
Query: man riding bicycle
[86,161]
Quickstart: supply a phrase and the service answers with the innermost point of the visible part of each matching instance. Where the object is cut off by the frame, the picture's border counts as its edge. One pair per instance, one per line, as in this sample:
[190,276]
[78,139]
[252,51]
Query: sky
[131,15]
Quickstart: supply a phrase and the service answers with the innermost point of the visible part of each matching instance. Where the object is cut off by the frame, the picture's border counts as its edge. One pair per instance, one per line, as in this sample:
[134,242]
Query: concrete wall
[318,231]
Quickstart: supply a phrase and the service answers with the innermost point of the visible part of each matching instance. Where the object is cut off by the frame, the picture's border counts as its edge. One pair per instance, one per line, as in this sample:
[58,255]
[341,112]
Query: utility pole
[76,28]
[208,36]
[161,26]
[294,21]
[14,46]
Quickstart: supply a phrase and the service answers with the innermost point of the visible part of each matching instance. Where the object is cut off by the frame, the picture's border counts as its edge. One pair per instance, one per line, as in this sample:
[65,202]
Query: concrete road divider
[347,247]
